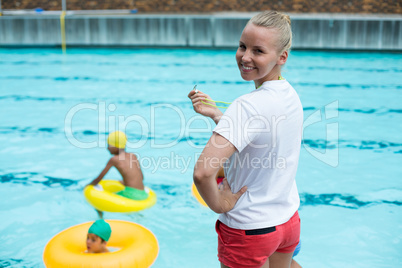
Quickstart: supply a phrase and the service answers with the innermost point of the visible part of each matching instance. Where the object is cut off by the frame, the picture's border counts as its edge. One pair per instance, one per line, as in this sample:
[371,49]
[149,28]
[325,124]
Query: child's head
[98,235]
[264,46]
[116,140]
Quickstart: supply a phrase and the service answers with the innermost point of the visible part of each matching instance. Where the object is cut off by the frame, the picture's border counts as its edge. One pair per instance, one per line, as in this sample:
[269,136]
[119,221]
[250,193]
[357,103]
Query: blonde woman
[257,141]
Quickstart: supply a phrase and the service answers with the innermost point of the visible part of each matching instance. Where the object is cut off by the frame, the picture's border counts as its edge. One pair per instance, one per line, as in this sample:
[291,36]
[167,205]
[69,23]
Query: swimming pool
[53,106]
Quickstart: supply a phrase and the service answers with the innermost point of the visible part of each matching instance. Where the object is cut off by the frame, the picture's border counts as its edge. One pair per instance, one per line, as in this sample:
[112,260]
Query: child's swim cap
[101,229]
[117,139]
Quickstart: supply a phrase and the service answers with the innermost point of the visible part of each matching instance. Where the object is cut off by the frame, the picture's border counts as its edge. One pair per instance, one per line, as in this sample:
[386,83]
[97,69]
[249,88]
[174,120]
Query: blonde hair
[280,22]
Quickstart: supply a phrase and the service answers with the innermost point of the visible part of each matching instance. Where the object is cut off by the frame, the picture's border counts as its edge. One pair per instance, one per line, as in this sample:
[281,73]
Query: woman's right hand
[197,98]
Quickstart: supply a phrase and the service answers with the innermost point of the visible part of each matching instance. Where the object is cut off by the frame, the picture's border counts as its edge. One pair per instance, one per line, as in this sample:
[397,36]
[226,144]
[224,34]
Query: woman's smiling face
[257,56]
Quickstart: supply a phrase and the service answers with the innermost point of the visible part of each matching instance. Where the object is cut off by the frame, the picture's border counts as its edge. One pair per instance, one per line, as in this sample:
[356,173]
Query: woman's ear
[283,58]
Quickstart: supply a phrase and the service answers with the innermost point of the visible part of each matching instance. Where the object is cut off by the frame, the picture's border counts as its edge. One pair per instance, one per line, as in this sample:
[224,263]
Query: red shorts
[251,248]
[219,180]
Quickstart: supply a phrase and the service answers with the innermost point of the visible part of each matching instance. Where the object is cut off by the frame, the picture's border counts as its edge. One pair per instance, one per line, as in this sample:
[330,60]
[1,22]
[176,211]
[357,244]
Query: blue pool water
[56,110]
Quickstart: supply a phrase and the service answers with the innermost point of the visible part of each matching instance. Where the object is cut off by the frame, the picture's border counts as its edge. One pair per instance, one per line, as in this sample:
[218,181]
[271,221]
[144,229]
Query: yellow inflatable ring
[137,247]
[197,195]
[107,200]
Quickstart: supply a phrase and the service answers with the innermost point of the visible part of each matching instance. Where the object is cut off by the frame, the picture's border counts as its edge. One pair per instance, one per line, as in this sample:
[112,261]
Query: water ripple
[164,138]
[114,63]
[24,98]
[183,103]
[361,145]
[362,110]
[13,262]
[33,131]
[306,199]
[200,65]
[120,80]
[185,82]
[348,86]
[339,200]
[350,69]
[95,101]
[31,178]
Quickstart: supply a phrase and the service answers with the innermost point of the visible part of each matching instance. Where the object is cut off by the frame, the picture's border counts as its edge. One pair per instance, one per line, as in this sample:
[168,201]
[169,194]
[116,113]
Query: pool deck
[212,30]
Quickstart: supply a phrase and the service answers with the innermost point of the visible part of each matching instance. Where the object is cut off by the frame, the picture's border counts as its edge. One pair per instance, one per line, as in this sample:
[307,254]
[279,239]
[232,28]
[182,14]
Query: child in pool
[98,236]
[128,166]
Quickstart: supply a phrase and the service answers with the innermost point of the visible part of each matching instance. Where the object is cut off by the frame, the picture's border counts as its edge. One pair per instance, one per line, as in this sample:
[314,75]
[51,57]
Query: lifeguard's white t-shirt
[265,126]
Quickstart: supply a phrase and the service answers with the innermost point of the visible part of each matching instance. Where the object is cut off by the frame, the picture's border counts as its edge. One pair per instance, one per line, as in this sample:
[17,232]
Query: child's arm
[103,173]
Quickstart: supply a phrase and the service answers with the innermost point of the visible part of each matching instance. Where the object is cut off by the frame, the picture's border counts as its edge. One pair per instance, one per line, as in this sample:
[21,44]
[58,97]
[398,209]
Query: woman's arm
[214,155]
[209,111]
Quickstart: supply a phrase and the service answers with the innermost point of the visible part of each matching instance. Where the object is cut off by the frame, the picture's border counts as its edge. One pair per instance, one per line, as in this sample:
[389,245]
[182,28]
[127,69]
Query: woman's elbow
[200,176]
